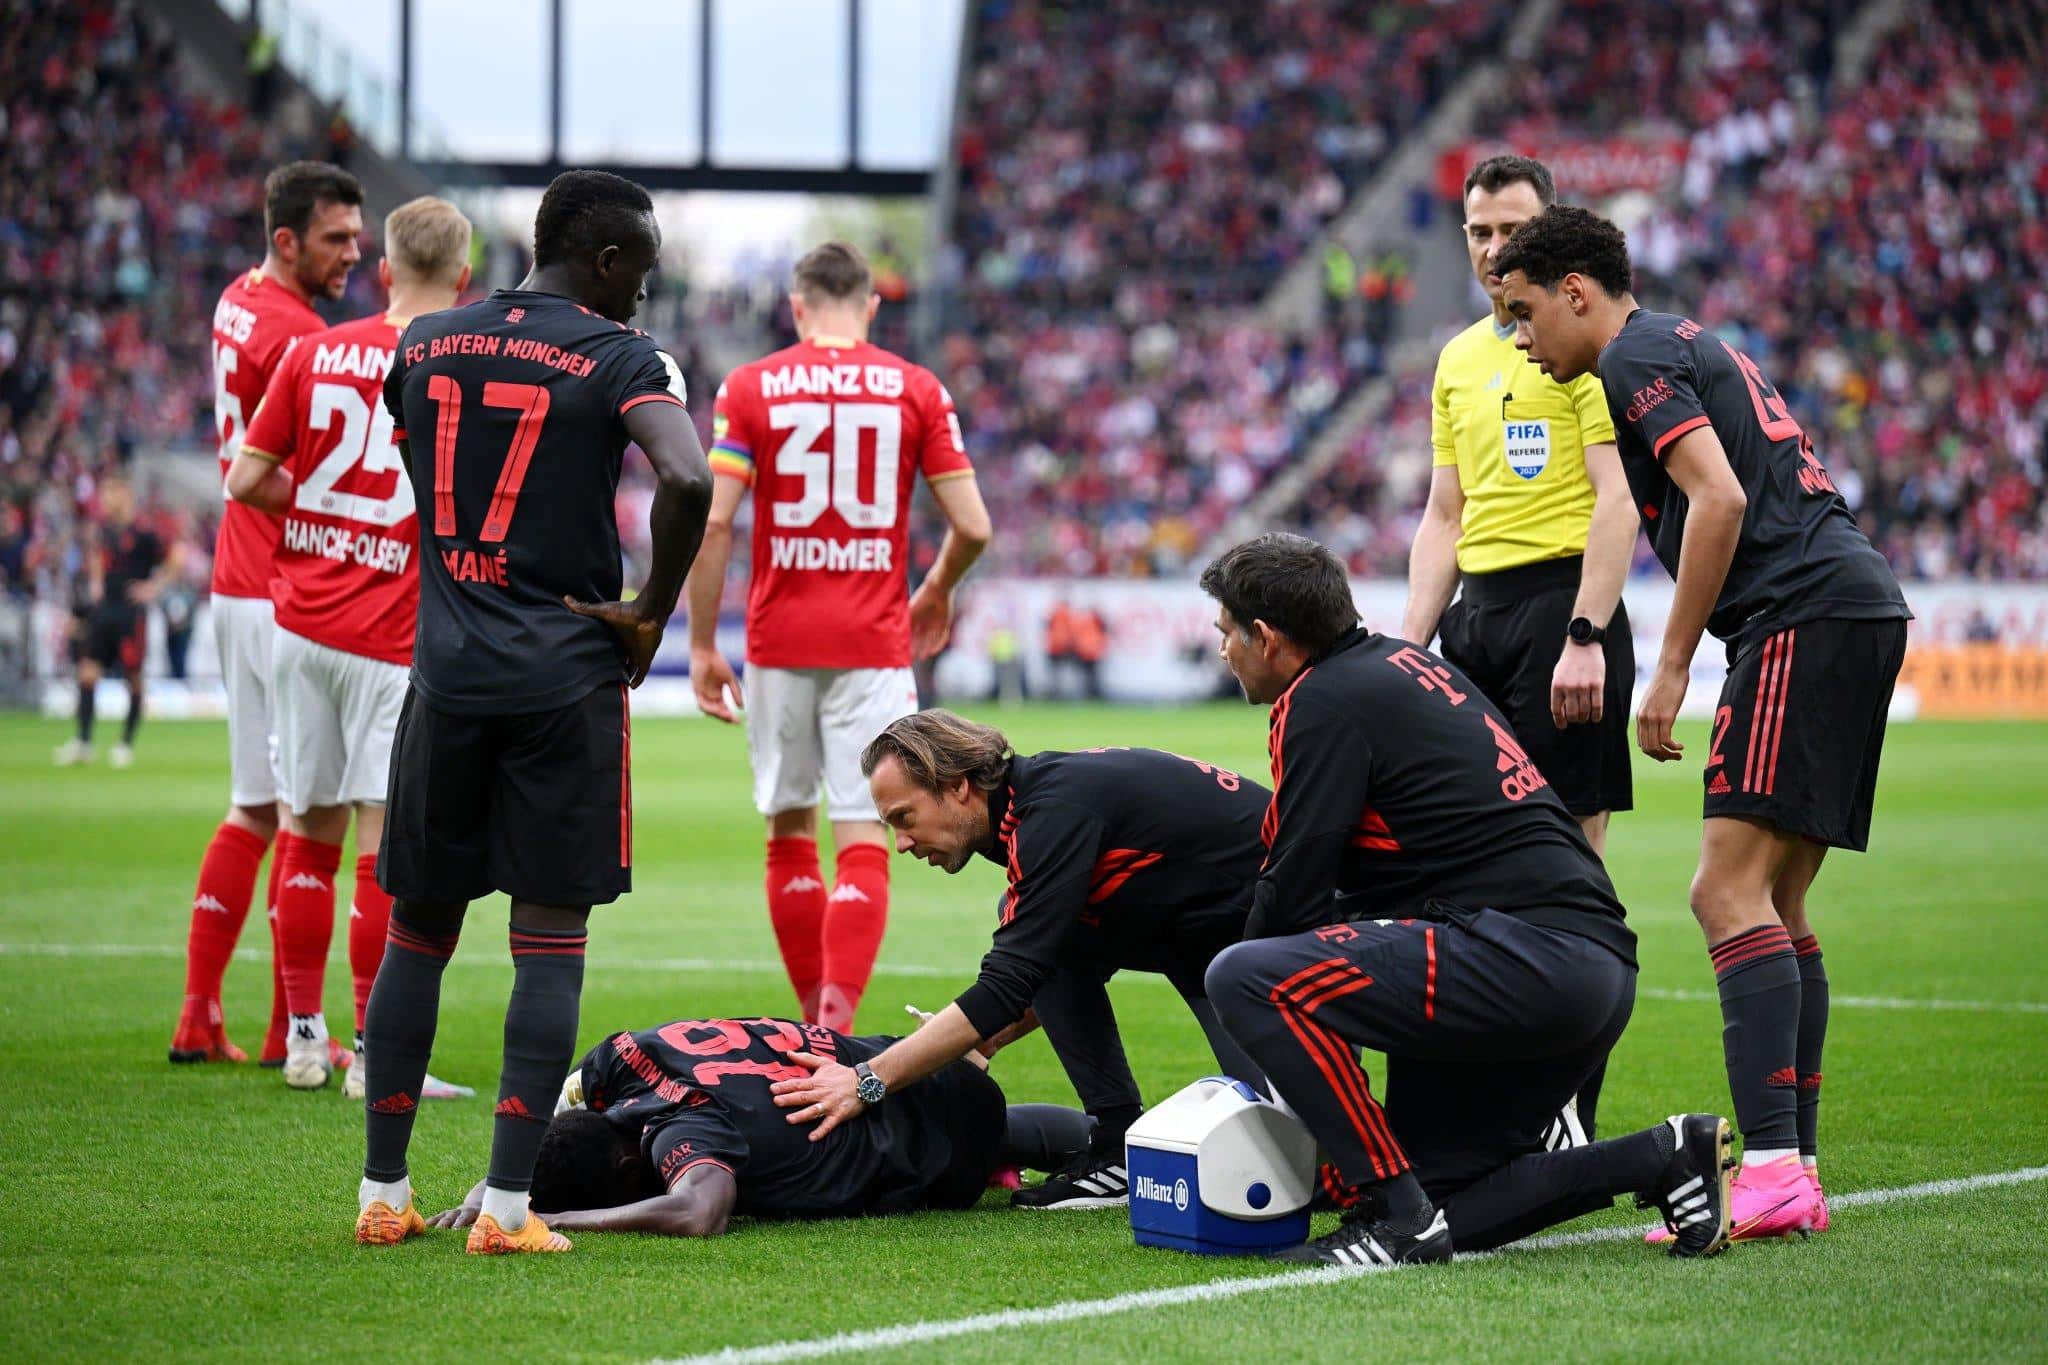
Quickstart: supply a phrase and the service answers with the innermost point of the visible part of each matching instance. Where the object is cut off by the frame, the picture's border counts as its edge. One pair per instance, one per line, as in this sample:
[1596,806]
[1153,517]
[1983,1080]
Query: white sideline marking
[916,1333]
[962,974]
[1869,1002]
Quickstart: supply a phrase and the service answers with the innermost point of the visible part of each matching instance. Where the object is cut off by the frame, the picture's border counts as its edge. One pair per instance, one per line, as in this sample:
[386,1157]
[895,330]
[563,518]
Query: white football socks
[508,1207]
[1764,1156]
[396,1193]
[307,1031]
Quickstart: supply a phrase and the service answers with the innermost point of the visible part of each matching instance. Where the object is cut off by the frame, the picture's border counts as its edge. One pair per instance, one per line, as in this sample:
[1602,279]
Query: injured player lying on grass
[673,1131]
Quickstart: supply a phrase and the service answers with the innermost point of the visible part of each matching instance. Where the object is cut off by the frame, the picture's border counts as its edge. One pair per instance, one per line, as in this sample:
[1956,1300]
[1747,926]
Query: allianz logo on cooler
[1160,1192]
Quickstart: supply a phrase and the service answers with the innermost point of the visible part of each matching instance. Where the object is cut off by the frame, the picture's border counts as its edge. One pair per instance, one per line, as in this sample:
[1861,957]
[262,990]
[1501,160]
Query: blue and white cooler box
[1221,1171]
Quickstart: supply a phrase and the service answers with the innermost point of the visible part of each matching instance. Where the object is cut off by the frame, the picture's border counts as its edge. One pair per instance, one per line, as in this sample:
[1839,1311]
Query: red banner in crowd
[1585,168]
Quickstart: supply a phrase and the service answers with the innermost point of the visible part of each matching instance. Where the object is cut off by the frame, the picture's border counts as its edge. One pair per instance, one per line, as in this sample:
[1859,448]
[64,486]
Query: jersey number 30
[832,478]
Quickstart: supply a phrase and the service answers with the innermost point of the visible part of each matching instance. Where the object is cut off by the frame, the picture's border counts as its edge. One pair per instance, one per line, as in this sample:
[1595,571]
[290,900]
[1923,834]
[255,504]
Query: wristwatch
[872,1088]
[1584,632]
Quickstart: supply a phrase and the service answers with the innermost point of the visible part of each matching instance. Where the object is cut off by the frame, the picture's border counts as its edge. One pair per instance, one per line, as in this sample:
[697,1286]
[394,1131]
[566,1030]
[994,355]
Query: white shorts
[336,716]
[807,727]
[242,631]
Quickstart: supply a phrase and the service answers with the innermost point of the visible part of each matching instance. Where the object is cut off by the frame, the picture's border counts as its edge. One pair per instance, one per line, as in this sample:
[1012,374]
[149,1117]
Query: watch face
[871,1090]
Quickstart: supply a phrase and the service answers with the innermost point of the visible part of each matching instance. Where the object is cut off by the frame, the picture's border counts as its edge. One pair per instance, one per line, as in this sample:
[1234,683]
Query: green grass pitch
[205,1212]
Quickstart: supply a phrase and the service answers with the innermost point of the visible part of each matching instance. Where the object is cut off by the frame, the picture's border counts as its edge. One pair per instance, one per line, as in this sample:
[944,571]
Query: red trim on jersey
[693,1165]
[1668,437]
[1276,747]
[627,407]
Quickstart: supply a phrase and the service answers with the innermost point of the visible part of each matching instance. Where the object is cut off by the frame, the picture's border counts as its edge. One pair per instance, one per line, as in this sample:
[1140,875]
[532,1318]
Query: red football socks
[220,906]
[369,918]
[305,920]
[855,916]
[796,907]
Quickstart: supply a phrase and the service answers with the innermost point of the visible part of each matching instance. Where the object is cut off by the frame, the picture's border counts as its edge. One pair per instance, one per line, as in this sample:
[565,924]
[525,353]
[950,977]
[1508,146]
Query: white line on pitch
[1072,1310]
[962,974]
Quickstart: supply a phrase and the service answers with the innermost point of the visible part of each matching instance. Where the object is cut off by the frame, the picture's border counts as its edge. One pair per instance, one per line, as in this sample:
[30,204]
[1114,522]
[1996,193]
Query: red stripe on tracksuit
[1114,868]
[1297,998]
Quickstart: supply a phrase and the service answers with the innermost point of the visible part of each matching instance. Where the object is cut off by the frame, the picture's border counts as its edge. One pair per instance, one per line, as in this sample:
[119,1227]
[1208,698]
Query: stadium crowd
[126,199]
[1872,246]
[1123,190]
[1121,201]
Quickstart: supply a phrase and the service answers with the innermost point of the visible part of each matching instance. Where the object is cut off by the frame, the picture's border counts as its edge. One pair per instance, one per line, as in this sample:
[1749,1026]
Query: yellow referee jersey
[1518,438]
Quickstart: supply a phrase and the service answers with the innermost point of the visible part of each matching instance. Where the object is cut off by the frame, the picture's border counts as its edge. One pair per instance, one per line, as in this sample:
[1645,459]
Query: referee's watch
[872,1089]
[1584,632]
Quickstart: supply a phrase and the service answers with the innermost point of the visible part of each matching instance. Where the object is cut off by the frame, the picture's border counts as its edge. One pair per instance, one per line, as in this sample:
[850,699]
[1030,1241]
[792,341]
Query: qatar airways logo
[1644,399]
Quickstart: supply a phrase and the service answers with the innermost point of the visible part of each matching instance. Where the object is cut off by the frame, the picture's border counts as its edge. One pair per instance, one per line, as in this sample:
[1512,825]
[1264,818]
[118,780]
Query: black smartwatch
[1584,632]
[872,1088]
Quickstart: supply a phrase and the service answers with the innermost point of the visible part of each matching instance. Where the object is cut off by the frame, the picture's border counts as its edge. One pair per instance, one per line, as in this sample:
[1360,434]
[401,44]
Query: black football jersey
[696,1091]
[513,411]
[128,556]
[1801,555]
[1397,784]
[1117,858]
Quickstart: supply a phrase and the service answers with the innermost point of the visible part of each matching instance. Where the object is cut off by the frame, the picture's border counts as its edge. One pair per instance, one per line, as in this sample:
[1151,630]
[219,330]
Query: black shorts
[538,806]
[114,638]
[1799,728]
[1506,631]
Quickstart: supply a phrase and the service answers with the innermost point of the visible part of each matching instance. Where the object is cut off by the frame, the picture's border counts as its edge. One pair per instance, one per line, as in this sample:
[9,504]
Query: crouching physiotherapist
[1118,859]
[1425,894]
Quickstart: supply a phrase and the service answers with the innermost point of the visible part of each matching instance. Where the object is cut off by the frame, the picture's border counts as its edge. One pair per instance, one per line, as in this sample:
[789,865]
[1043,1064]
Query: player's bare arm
[682,501]
[828,1095]
[700,1205]
[711,674]
[1713,524]
[1579,682]
[1433,558]
[967,535]
[258,480]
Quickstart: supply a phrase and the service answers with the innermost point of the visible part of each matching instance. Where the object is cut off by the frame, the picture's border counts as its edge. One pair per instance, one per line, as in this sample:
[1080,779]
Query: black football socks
[1813,1032]
[398,1028]
[1758,976]
[540,1043]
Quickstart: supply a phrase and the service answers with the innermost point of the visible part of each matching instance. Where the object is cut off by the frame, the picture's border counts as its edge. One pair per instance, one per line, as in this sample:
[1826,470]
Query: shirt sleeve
[1321,779]
[691,1139]
[644,373]
[273,430]
[1443,445]
[1052,866]
[732,436]
[1648,379]
[944,454]
[1589,398]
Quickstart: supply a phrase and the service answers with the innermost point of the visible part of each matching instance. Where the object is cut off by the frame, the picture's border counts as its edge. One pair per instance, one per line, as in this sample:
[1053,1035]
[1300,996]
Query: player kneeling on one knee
[1426,895]
[674,1131]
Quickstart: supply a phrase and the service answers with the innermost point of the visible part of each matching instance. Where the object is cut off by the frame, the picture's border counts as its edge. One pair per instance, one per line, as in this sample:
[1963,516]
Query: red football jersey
[254,324]
[346,571]
[840,430]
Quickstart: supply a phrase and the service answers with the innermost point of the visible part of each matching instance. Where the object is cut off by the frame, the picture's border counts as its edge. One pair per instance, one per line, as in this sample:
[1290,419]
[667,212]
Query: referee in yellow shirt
[1529,514]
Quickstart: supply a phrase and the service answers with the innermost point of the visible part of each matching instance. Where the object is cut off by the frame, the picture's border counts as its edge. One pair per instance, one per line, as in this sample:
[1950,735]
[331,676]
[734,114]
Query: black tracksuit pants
[1489,1025]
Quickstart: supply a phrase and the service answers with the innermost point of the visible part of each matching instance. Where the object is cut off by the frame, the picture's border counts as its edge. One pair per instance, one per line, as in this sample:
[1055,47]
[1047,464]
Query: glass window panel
[480,79]
[630,76]
[908,49]
[779,83]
